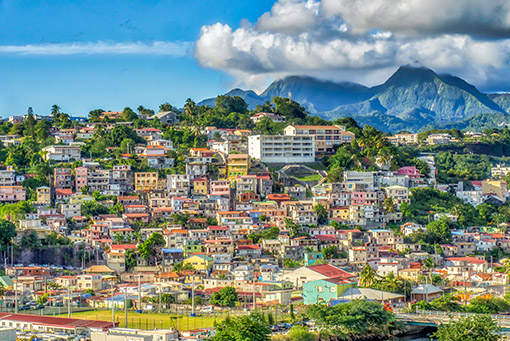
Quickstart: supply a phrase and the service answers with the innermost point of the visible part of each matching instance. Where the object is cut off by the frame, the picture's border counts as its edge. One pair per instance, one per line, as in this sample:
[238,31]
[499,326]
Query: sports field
[152,320]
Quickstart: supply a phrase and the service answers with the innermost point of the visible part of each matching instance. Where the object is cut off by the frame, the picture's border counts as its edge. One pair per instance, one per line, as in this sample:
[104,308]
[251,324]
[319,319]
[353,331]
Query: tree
[127,145]
[147,249]
[90,292]
[322,214]
[30,240]
[93,208]
[226,297]
[473,328]
[367,276]
[128,115]
[7,233]
[330,252]
[252,327]
[438,231]
[130,259]
[300,333]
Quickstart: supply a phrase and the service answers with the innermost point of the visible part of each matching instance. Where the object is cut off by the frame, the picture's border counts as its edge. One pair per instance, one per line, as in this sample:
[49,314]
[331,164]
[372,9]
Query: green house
[325,290]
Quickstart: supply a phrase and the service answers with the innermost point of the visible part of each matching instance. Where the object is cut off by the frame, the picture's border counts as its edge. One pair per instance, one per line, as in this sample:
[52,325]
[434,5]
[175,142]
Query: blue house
[312,256]
[325,290]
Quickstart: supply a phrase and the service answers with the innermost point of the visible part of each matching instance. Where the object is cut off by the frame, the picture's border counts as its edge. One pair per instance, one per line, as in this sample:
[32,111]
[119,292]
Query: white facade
[282,148]
[61,153]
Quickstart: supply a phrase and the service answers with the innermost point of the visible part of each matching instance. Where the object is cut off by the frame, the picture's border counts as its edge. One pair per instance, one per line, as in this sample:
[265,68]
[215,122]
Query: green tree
[438,231]
[252,327]
[322,214]
[7,233]
[148,248]
[130,259]
[93,208]
[367,276]
[300,333]
[226,297]
[30,240]
[128,115]
[330,252]
[473,328]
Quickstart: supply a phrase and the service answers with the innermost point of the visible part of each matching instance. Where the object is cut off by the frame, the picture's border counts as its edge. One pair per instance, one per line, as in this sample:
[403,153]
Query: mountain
[413,97]
[323,95]
[249,96]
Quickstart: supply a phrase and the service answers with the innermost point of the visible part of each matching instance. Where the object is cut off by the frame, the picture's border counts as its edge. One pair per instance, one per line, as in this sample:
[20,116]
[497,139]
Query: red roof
[467,259]
[123,247]
[63,322]
[330,271]
[326,237]
[65,191]
[248,247]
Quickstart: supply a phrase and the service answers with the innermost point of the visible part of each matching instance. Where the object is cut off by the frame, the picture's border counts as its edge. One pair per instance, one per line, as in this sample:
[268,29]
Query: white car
[209,309]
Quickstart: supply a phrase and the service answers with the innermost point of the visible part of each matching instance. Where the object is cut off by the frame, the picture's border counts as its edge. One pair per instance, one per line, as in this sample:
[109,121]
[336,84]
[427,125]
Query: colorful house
[325,290]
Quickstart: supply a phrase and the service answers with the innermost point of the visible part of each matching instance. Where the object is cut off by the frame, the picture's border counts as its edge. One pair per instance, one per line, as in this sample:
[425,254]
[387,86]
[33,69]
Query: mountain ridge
[412,97]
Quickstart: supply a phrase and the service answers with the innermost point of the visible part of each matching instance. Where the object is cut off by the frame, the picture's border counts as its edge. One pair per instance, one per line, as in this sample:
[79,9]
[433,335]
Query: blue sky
[84,54]
[79,82]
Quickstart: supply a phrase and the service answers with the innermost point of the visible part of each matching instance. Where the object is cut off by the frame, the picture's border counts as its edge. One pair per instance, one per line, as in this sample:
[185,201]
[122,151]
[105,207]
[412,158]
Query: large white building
[62,153]
[282,148]
[326,137]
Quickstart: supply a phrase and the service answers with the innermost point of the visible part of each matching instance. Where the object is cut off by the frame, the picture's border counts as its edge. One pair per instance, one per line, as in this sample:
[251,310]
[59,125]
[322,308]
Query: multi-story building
[43,195]
[62,153]
[237,164]
[80,178]
[122,176]
[98,180]
[402,139]
[269,115]
[325,137]
[12,193]
[178,184]
[398,194]
[8,177]
[62,178]
[499,172]
[282,148]
[146,181]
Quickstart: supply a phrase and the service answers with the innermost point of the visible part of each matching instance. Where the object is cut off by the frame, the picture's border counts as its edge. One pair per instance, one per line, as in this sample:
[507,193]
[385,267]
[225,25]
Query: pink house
[411,172]
[219,188]
[12,193]
[80,178]
[363,197]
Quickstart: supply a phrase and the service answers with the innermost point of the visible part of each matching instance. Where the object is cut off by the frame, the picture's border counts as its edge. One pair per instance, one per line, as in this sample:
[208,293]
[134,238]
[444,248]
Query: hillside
[413,97]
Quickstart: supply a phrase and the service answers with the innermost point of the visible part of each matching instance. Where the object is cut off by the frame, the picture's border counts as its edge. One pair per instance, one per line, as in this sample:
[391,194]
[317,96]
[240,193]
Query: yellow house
[80,198]
[340,212]
[200,186]
[43,195]
[146,181]
[238,164]
[199,262]
[494,187]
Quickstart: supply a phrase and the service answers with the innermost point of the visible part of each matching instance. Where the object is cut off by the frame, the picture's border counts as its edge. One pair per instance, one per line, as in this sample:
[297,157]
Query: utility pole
[69,301]
[192,295]
[465,289]
[113,306]
[125,309]
[254,298]
[139,293]
[159,295]
[426,289]
[16,294]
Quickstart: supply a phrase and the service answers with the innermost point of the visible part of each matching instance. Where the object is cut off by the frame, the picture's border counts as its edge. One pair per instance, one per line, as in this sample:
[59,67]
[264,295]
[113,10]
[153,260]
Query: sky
[84,55]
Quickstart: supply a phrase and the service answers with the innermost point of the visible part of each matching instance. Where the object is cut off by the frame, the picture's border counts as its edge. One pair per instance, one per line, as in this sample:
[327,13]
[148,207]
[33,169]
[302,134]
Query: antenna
[290,96]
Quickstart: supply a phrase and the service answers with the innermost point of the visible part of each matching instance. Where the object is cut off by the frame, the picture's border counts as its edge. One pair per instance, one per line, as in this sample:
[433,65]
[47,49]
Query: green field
[312,177]
[152,320]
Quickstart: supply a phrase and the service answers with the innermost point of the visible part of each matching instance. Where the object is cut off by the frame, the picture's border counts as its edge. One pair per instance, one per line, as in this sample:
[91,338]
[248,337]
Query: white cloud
[362,40]
[164,48]
[424,16]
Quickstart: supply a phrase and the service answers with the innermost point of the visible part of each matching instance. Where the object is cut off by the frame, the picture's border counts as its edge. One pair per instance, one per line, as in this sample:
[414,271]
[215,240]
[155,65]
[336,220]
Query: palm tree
[367,276]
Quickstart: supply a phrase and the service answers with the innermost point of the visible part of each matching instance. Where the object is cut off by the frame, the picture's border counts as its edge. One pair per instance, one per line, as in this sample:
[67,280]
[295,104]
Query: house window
[320,289]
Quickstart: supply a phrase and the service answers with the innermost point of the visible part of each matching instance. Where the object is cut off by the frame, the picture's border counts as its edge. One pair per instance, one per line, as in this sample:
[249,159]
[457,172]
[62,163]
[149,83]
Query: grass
[313,177]
[152,320]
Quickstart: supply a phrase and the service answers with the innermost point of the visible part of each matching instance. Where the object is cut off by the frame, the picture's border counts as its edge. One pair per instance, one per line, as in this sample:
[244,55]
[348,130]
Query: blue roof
[379,230]
[171,250]
[457,233]
[120,297]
